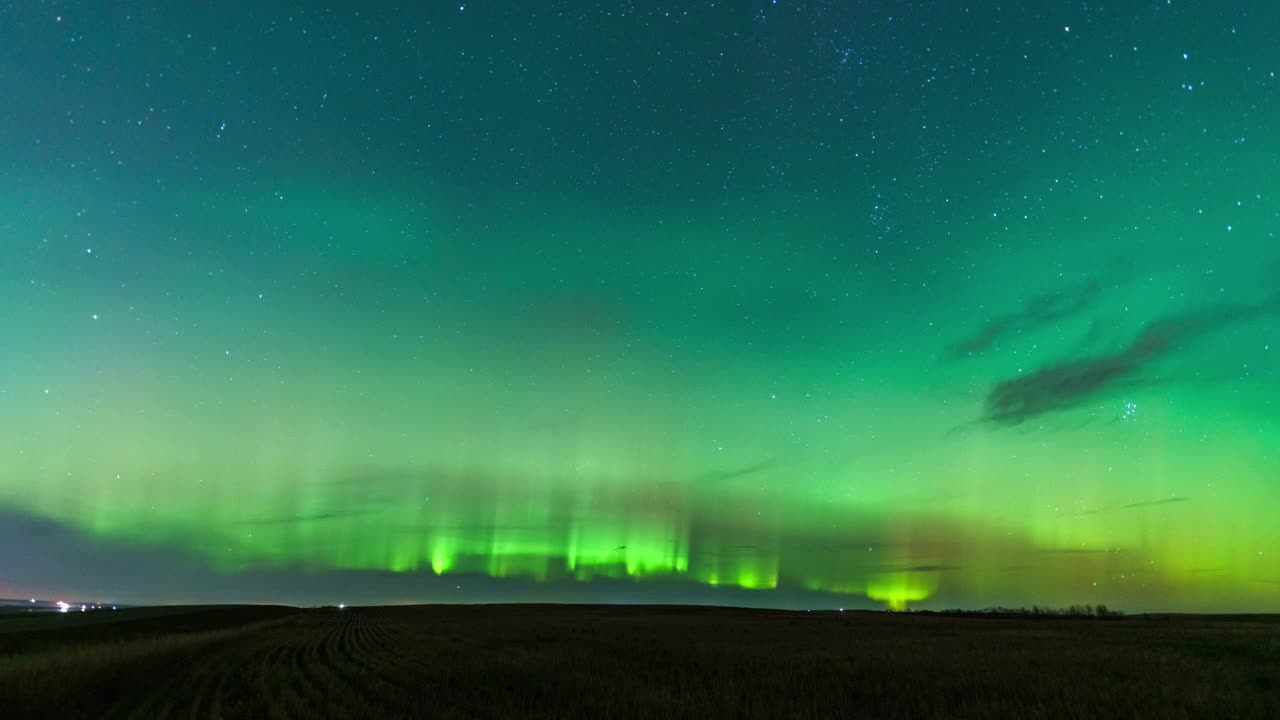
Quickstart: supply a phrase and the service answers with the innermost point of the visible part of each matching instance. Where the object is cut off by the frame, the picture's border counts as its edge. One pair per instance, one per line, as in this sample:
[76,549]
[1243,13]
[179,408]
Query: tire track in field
[269,683]
[311,666]
[226,668]
[423,673]
[313,677]
[232,694]
[367,664]
[375,659]
[265,683]
[289,690]
[225,687]
[373,653]
[328,656]
[187,687]
[299,676]
[321,660]
[363,656]
[210,676]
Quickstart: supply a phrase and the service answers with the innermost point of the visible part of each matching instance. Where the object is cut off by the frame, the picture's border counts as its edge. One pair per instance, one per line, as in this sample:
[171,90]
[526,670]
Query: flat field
[627,661]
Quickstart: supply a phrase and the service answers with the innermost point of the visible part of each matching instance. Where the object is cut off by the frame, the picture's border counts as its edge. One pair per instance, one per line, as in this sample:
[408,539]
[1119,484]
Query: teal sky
[770,303]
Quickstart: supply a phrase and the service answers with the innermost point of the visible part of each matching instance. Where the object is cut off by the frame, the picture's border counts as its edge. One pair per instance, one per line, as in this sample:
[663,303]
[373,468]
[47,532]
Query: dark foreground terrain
[600,662]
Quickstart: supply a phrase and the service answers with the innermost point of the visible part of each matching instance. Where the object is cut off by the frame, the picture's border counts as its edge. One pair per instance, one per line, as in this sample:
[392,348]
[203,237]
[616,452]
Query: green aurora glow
[957,308]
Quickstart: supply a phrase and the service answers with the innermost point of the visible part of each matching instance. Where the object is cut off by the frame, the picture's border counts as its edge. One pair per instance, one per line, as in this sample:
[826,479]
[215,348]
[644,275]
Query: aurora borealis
[773,303]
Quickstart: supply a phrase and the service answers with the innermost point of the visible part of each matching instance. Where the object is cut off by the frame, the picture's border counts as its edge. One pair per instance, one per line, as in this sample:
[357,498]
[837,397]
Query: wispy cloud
[1065,384]
[1036,313]
[734,473]
[1142,504]
[1149,503]
[923,568]
[297,519]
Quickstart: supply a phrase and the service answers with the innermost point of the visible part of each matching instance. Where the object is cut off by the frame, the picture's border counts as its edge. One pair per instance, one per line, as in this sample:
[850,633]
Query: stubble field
[624,661]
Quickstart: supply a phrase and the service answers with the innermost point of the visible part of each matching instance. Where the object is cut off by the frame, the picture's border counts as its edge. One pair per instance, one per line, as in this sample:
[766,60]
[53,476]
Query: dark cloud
[734,473]
[1149,503]
[1066,384]
[1036,313]
[923,568]
[1078,551]
[292,519]
[1142,504]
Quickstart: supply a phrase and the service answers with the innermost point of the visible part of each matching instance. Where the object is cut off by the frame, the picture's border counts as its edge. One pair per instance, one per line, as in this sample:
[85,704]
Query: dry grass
[603,662]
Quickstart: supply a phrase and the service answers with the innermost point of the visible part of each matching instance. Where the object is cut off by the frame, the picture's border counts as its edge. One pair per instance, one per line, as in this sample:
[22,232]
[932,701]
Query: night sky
[803,304]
